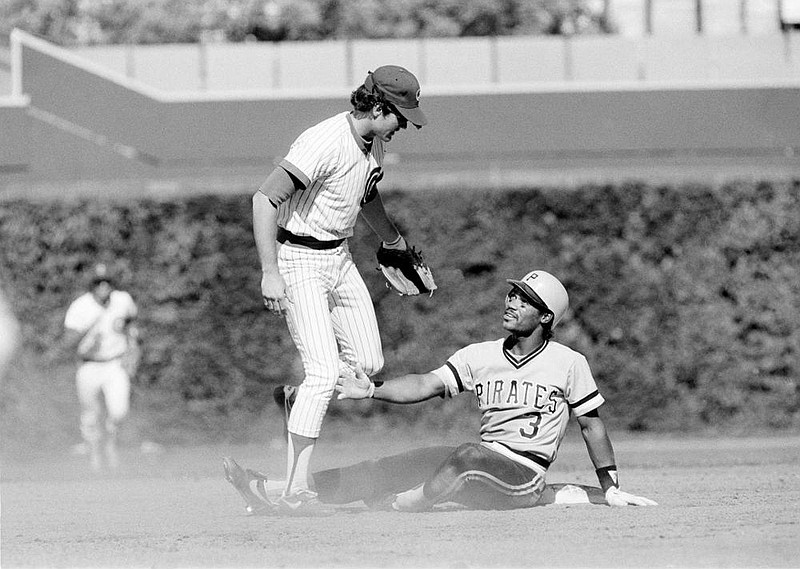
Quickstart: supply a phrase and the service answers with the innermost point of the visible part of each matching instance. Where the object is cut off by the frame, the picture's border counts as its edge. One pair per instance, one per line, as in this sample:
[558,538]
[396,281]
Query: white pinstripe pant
[332,322]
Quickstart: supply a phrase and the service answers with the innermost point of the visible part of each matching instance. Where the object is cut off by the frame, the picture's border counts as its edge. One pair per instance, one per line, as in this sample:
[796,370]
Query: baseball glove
[405,271]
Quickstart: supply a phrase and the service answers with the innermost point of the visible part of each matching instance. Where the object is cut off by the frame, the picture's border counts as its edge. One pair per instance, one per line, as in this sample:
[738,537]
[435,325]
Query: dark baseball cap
[400,88]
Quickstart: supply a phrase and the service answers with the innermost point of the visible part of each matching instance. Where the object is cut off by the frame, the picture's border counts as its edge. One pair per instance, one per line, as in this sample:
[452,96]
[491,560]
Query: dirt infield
[724,502]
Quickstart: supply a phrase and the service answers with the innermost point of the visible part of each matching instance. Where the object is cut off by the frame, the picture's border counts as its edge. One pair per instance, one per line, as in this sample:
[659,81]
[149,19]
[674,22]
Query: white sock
[297,467]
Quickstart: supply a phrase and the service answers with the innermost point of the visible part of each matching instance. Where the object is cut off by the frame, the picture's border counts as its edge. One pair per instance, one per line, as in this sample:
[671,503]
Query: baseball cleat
[241,479]
[284,396]
[302,503]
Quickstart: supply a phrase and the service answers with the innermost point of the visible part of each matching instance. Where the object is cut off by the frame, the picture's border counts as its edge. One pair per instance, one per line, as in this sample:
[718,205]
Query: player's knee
[112,424]
[117,413]
[90,416]
[469,451]
[321,378]
[465,456]
[373,366]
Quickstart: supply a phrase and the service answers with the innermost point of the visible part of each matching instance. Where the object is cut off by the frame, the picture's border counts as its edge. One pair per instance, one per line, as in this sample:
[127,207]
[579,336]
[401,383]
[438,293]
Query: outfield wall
[84,120]
[454,62]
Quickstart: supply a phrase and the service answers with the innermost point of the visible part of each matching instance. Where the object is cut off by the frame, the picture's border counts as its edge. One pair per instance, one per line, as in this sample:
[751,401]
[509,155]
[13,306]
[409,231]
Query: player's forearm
[375,215]
[411,388]
[598,444]
[71,339]
[265,229]
[602,454]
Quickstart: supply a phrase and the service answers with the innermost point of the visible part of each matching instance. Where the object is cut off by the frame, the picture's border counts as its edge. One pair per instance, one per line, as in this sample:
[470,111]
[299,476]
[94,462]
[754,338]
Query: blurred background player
[526,386]
[9,332]
[100,327]
[302,216]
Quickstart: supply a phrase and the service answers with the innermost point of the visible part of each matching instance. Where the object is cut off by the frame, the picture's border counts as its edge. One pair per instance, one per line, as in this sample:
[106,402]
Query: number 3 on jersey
[533,425]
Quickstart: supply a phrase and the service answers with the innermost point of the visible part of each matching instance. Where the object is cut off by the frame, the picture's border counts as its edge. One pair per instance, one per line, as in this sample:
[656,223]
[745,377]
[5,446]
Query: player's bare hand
[355,385]
[274,293]
[617,498]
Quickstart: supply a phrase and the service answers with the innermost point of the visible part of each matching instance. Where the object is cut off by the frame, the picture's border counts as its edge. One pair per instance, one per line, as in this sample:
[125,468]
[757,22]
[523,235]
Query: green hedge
[686,300]
[72,22]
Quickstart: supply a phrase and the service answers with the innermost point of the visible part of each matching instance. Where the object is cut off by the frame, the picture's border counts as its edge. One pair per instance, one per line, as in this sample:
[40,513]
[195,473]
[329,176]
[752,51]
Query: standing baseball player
[100,326]
[9,332]
[302,216]
[526,386]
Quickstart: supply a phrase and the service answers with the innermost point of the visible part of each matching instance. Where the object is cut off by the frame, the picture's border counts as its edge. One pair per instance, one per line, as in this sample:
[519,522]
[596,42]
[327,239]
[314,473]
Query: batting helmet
[545,290]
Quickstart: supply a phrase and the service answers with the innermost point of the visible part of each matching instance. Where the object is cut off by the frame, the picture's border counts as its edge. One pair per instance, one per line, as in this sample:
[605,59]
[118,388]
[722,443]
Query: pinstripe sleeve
[295,172]
[315,152]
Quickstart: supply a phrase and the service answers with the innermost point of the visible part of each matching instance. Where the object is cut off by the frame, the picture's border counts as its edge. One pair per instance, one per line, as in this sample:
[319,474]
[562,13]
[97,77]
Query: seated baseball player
[526,386]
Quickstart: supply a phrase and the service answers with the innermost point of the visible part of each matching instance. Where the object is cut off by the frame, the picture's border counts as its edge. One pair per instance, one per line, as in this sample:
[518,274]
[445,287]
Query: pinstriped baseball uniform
[526,401]
[331,318]
[338,170]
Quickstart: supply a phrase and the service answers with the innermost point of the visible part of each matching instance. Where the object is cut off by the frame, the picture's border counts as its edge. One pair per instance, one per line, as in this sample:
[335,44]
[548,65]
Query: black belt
[94,360]
[543,462]
[286,236]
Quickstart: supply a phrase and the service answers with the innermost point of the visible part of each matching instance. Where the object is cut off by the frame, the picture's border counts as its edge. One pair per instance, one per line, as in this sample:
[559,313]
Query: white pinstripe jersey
[525,401]
[338,171]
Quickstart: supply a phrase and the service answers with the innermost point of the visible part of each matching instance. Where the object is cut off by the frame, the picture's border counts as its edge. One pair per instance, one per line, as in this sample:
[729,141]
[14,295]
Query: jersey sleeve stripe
[294,171]
[592,395]
[456,376]
[587,405]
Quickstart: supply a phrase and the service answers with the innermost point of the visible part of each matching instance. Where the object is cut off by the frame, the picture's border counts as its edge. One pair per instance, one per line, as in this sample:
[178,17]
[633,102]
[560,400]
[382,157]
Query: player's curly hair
[363,102]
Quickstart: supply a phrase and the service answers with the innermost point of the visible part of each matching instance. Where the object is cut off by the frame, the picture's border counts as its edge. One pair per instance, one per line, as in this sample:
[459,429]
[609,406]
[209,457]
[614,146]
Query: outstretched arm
[601,452]
[410,388]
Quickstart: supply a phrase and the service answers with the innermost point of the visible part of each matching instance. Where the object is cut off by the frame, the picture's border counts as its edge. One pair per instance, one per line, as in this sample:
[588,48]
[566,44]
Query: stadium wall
[454,62]
[83,119]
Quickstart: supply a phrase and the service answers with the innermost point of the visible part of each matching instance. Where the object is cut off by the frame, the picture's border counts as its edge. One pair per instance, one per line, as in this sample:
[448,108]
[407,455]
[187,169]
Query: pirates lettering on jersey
[513,393]
[371,187]
[525,400]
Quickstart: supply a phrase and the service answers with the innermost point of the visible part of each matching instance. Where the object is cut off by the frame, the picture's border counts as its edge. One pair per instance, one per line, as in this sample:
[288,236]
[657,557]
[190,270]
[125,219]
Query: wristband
[372,387]
[608,477]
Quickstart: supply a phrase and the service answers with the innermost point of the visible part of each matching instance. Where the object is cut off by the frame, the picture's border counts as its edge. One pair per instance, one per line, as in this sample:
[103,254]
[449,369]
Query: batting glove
[355,386]
[617,498]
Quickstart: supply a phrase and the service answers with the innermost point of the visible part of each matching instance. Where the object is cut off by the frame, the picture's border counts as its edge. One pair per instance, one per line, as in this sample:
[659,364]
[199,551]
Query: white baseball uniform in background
[9,332]
[101,349]
[331,317]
